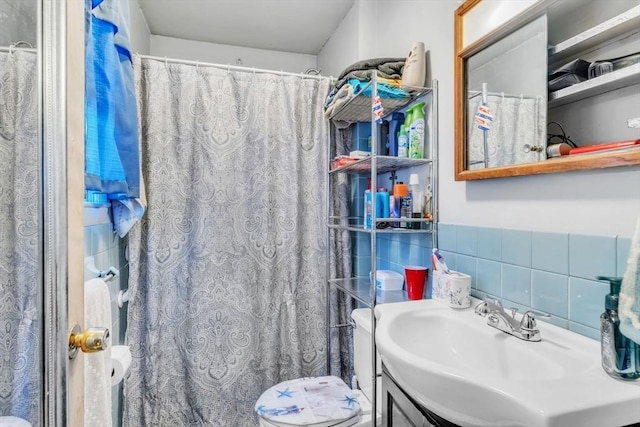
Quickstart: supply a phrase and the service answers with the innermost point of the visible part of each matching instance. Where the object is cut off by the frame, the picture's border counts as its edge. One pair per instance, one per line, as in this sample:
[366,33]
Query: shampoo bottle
[620,355]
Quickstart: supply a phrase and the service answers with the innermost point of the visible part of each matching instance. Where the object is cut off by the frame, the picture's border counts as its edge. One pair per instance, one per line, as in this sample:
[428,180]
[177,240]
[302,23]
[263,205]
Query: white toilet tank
[362,353]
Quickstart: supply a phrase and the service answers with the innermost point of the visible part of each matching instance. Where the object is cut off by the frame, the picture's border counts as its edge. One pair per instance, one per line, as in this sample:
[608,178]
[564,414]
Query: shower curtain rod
[232,67]
[14,48]
[500,94]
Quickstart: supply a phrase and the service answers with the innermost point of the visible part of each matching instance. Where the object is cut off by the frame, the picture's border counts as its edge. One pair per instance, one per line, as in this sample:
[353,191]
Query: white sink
[462,369]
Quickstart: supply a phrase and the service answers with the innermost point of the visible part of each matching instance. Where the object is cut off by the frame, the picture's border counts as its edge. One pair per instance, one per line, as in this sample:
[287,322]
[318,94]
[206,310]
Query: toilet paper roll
[120,362]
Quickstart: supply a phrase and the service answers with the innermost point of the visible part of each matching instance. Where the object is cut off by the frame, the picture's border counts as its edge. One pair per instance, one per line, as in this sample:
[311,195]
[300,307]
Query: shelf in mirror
[607,82]
[613,28]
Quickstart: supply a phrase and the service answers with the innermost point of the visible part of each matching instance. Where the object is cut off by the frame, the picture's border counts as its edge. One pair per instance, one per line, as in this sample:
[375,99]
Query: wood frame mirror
[465,46]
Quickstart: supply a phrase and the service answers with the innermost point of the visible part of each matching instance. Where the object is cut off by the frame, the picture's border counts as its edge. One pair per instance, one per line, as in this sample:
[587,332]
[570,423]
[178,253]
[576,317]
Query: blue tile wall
[622,253]
[550,272]
[591,256]
[550,252]
[516,247]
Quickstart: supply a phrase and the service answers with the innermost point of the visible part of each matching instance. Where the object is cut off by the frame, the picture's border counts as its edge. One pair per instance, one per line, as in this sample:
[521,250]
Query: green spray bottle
[416,132]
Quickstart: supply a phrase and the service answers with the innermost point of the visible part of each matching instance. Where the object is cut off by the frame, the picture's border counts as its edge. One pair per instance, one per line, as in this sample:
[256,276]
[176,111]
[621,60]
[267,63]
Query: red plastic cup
[415,278]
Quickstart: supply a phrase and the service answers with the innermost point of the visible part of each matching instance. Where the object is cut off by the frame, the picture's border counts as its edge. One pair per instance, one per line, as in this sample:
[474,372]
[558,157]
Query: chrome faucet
[525,329]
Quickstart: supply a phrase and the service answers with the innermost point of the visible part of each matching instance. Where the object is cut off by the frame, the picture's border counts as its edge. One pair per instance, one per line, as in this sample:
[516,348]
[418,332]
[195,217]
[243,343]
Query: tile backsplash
[550,272]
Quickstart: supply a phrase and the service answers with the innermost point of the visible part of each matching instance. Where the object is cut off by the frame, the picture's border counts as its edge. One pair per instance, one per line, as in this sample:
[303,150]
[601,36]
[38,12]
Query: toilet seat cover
[308,401]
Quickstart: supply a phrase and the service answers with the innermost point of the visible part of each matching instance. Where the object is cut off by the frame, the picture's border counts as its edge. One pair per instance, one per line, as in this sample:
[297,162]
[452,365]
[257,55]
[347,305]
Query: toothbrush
[438,262]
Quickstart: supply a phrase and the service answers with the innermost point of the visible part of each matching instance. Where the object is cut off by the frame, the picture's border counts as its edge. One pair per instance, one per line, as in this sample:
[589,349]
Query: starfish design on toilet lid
[308,402]
[285,393]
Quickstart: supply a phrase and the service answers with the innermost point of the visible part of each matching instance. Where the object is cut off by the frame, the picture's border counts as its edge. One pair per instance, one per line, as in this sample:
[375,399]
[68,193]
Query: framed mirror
[510,113]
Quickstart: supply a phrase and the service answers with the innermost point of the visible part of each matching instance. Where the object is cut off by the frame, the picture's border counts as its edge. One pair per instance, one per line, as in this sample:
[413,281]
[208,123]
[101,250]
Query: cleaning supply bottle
[620,355]
[407,126]
[416,132]
[403,142]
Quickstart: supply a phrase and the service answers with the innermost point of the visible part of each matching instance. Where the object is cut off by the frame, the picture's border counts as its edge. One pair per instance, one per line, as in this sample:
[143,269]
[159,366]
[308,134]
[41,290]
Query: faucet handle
[528,320]
[482,309]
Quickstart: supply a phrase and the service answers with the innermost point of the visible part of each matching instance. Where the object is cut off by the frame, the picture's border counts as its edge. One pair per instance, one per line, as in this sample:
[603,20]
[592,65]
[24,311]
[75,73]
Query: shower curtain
[517,122]
[20,263]
[228,266]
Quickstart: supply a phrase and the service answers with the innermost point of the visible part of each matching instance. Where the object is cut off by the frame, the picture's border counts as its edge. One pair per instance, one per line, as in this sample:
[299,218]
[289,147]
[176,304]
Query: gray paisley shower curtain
[228,266]
[20,262]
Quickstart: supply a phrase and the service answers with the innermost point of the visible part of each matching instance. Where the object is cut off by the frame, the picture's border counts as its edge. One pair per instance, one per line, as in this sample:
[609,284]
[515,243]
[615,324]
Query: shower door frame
[61,59]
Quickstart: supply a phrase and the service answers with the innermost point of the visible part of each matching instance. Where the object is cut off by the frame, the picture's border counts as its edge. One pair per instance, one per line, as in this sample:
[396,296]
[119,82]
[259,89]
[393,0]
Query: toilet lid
[314,401]
[13,422]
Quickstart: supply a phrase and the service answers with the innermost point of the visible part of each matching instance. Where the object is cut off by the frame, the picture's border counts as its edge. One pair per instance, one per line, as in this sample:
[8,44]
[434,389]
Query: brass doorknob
[89,341]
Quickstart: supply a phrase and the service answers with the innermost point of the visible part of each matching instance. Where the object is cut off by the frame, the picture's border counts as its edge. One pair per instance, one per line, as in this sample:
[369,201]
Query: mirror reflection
[506,104]
[21,363]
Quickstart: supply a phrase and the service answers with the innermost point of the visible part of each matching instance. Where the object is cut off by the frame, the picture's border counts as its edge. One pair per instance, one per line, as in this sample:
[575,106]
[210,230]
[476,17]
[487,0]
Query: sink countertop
[453,363]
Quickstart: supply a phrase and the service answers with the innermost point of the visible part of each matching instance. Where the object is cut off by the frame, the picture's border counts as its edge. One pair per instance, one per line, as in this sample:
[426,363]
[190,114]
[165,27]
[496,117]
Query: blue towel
[629,302]
[384,90]
[111,131]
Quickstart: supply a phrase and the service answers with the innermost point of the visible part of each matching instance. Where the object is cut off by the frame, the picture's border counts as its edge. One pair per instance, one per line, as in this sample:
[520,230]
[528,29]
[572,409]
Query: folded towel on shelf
[629,303]
[339,99]
[384,90]
[390,68]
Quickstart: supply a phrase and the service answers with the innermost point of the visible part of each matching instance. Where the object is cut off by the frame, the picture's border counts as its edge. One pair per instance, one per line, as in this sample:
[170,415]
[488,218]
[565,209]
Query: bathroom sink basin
[454,364]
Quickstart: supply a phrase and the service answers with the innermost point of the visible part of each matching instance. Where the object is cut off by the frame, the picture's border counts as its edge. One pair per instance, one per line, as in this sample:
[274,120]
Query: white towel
[629,303]
[97,366]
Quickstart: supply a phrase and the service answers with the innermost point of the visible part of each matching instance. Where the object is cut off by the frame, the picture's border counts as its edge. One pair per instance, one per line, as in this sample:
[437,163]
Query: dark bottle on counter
[620,355]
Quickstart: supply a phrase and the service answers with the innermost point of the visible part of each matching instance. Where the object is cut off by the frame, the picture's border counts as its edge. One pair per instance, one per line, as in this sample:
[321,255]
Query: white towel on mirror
[97,366]
[629,302]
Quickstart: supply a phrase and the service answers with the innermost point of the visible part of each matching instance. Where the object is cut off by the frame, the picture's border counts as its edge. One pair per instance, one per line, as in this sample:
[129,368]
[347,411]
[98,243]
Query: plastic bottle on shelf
[394,127]
[403,142]
[407,126]
[382,203]
[367,209]
[416,201]
[416,133]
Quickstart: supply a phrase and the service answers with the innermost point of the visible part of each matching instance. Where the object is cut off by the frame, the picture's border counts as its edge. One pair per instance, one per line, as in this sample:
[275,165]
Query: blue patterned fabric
[111,140]
[228,267]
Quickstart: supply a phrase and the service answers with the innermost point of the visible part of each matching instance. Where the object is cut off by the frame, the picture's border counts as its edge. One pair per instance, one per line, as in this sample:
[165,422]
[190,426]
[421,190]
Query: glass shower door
[21,260]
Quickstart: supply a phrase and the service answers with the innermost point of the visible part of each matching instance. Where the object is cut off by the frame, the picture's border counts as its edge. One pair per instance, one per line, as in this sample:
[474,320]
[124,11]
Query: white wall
[598,202]
[139,30]
[342,48]
[226,54]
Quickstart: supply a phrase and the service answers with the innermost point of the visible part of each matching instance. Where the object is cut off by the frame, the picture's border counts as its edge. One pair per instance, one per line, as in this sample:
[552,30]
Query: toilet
[10,421]
[326,401]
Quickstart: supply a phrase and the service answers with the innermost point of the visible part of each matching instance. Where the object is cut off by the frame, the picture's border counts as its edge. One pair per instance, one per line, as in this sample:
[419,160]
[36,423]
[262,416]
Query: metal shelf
[359,288]
[596,86]
[385,164]
[427,226]
[358,108]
